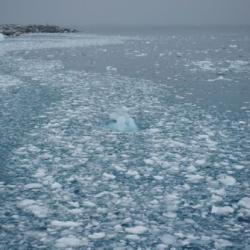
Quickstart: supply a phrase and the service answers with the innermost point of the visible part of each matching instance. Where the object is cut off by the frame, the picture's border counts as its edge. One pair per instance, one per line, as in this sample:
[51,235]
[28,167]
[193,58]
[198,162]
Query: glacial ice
[1,37]
[121,121]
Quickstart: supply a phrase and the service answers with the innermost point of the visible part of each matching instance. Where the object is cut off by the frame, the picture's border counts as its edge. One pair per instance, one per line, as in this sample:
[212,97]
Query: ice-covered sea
[132,141]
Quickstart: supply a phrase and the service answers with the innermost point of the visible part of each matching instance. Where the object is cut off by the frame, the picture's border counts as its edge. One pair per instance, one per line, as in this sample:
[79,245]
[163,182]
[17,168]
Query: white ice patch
[222,210]
[168,239]
[34,207]
[97,236]
[111,69]
[121,121]
[239,65]
[205,65]
[245,202]
[221,244]
[194,178]
[136,230]
[70,224]
[71,241]
[1,37]
[133,237]
[141,54]
[227,180]
[220,78]
[41,172]
[33,186]
[108,176]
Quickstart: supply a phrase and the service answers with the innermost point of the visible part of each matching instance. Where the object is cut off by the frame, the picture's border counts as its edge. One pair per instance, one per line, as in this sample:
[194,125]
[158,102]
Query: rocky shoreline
[17,30]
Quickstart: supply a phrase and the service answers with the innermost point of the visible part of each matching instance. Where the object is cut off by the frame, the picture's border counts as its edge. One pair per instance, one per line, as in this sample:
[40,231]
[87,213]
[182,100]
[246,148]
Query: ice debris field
[97,155]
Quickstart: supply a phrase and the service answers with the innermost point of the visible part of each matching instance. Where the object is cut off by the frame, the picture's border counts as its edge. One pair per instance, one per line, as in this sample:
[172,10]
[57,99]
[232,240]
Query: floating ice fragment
[221,243]
[108,176]
[1,37]
[111,69]
[89,204]
[71,241]
[227,180]
[222,210]
[136,230]
[132,237]
[142,55]
[133,173]
[168,239]
[238,167]
[158,178]
[56,185]
[97,236]
[245,202]
[200,162]
[56,223]
[33,186]
[121,121]
[238,65]
[194,178]
[40,173]
[34,207]
[205,65]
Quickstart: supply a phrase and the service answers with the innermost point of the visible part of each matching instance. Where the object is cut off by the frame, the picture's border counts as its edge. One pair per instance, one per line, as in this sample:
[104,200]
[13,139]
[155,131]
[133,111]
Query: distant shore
[17,30]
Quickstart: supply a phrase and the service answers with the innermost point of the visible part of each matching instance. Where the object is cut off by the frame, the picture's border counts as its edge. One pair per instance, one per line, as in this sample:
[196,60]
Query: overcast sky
[126,12]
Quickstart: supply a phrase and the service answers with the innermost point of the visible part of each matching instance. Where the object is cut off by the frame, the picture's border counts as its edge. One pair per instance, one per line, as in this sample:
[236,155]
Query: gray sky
[126,12]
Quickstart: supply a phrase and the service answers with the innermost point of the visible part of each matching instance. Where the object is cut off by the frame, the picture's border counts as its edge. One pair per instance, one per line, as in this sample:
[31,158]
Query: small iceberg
[121,121]
[1,37]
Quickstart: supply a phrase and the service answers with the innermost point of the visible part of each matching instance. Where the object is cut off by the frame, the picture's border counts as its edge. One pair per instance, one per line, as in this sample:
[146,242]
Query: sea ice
[34,207]
[132,237]
[222,210]
[108,176]
[136,230]
[227,180]
[56,223]
[111,69]
[168,239]
[97,236]
[221,243]
[1,37]
[245,202]
[205,65]
[40,173]
[71,241]
[33,186]
[121,121]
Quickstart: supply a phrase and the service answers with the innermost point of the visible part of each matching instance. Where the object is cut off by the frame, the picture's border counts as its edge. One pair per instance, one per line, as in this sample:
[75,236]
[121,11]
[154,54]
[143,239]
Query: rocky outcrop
[16,30]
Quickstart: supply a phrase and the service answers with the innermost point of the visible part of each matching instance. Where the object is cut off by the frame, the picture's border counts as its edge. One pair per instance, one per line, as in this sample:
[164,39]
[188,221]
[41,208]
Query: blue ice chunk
[120,120]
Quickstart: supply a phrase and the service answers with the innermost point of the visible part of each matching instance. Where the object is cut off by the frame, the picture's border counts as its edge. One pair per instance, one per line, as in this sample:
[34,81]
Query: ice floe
[34,207]
[1,37]
[71,241]
[120,120]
